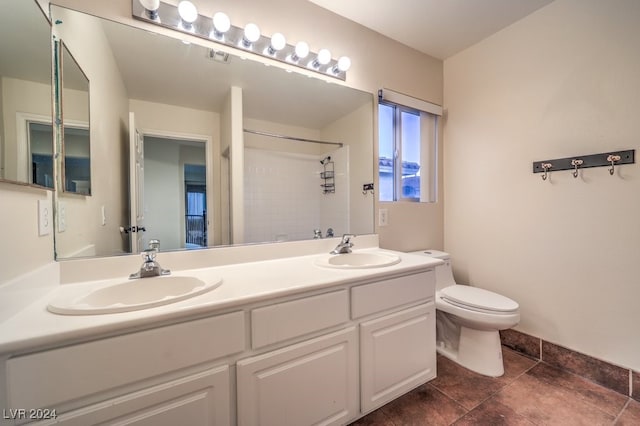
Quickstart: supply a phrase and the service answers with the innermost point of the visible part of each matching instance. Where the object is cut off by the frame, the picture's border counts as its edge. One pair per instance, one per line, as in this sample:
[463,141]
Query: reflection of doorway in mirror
[40,153]
[34,150]
[195,205]
[175,191]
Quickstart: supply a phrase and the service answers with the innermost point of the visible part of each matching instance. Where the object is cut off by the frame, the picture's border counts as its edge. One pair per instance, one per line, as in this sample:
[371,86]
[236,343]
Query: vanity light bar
[248,38]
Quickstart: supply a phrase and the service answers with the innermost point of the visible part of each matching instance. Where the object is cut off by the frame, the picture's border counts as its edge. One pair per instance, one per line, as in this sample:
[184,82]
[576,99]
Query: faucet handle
[346,238]
[149,255]
[154,244]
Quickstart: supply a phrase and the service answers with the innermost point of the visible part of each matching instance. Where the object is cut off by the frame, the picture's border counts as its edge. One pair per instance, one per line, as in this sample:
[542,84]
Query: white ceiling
[440,28]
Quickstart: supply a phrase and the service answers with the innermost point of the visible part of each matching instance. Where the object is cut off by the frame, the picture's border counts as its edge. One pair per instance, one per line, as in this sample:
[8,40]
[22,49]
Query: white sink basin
[358,260]
[130,295]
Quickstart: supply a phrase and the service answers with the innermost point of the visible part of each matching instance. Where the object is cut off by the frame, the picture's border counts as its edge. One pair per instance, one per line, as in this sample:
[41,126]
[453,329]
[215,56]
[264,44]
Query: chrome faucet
[150,268]
[330,233]
[317,234]
[344,246]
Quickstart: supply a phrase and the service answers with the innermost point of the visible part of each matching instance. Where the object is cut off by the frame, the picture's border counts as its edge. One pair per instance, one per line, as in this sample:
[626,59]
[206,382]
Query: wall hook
[575,163]
[546,167]
[367,188]
[613,159]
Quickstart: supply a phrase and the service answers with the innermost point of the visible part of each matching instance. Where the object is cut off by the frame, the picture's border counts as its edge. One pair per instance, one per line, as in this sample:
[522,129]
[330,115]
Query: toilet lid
[475,297]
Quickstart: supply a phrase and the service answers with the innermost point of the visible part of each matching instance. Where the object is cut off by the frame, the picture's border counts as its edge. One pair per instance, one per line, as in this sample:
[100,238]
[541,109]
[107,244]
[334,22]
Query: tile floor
[530,393]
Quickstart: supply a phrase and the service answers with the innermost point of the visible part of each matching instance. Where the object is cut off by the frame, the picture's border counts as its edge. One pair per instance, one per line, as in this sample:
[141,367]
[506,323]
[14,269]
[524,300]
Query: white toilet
[468,319]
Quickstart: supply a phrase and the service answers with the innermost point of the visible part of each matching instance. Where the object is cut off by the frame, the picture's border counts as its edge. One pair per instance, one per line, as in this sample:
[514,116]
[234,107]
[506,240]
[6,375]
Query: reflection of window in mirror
[76,141]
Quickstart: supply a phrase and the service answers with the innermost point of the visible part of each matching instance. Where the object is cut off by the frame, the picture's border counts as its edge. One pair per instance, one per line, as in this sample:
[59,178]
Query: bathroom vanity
[282,341]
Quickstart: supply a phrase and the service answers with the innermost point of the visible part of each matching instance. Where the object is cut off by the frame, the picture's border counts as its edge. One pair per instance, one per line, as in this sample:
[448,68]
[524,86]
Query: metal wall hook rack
[610,159]
[367,188]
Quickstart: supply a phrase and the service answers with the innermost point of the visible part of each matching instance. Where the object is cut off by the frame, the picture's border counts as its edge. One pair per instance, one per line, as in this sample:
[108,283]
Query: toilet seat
[478,299]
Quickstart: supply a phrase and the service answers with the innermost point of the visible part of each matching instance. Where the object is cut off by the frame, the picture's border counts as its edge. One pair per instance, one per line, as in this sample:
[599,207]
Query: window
[407,154]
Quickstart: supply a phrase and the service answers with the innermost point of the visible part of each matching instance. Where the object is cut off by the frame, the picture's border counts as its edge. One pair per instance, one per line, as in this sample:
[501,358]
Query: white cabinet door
[311,383]
[199,399]
[397,354]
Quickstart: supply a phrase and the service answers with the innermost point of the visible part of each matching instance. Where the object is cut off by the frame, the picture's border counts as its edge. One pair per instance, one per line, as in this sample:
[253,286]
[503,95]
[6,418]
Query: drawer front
[49,378]
[198,399]
[371,298]
[283,321]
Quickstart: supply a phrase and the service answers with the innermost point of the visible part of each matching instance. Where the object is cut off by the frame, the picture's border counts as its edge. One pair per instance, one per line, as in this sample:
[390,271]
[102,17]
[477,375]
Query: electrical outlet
[383,217]
[61,214]
[44,217]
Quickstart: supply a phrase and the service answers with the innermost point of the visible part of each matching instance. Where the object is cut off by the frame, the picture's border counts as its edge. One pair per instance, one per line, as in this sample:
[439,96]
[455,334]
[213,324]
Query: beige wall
[562,82]
[21,249]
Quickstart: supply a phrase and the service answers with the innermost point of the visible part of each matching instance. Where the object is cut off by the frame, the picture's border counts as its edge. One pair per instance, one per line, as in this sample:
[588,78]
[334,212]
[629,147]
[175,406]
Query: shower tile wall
[283,198]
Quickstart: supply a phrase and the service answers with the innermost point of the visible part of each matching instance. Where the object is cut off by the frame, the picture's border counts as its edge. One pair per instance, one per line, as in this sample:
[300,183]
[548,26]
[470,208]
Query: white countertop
[34,328]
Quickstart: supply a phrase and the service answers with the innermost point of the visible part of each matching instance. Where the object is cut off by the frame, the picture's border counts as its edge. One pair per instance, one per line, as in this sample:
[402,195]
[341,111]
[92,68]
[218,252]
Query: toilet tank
[444,273]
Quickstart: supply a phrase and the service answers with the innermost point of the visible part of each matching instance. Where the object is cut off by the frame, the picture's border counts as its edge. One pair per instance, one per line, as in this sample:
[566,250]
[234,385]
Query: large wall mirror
[198,148]
[26,143]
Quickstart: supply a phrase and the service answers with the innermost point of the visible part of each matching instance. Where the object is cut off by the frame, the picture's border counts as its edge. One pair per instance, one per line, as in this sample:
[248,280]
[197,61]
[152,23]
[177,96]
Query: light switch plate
[44,217]
[383,217]
[61,215]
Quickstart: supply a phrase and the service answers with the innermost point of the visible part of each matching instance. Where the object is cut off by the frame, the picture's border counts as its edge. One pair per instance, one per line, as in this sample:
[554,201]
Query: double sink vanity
[270,339]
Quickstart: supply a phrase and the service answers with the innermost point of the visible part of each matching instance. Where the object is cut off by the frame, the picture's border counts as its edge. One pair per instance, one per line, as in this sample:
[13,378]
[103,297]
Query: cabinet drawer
[287,320]
[371,298]
[198,399]
[49,378]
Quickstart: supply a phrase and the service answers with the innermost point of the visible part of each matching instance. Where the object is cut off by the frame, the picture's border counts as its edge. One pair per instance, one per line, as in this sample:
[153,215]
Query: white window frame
[429,117]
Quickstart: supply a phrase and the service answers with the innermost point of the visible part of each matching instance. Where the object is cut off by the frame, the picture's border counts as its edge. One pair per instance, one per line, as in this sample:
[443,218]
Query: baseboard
[619,379]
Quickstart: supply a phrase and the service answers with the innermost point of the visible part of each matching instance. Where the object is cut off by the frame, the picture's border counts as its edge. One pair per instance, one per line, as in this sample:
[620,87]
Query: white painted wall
[561,82]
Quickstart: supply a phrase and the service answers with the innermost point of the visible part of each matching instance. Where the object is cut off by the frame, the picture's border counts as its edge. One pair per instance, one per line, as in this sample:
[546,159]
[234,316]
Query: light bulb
[151,8]
[343,65]
[301,51]
[323,58]
[251,34]
[278,42]
[187,12]
[221,24]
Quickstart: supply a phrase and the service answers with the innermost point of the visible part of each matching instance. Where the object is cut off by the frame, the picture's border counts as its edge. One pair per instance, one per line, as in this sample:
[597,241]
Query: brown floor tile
[636,386]
[515,364]
[424,405]
[546,404]
[375,418]
[607,400]
[464,386]
[631,415]
[521,342]
[493,413]
[608,375]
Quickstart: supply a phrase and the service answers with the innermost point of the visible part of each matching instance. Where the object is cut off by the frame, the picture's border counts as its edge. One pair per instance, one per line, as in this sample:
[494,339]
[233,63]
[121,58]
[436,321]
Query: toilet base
[478,350]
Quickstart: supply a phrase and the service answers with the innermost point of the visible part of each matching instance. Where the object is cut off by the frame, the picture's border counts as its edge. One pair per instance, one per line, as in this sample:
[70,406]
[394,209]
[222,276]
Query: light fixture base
[202,27]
